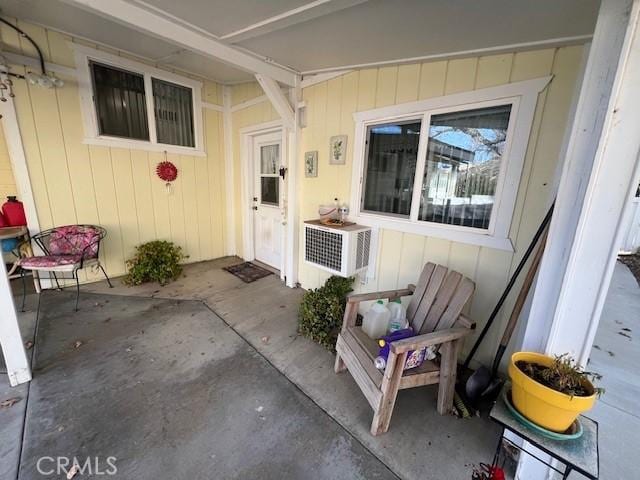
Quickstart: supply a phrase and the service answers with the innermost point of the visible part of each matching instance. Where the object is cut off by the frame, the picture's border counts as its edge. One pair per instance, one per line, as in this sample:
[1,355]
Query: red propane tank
[13,211]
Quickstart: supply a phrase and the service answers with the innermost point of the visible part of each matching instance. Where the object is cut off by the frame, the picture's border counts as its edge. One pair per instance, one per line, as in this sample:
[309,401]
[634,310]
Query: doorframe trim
[247,134]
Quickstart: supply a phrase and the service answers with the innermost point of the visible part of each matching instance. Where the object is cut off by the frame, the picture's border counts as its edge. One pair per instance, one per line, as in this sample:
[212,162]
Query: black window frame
[149,106]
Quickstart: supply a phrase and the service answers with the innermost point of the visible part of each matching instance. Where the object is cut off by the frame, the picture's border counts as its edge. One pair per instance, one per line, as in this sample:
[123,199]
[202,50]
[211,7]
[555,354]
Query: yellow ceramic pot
[546,407]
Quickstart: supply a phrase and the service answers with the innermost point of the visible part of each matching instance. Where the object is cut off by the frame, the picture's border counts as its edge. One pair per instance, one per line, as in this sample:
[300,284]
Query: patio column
[598,180]
[13,350]
[600,175]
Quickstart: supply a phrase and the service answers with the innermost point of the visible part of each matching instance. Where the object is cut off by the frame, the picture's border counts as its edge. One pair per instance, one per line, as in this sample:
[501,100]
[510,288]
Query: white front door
[267,198]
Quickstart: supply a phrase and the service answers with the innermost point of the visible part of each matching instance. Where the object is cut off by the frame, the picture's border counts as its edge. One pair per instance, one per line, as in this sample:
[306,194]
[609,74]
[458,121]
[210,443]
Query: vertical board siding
[400,256]
[113,187]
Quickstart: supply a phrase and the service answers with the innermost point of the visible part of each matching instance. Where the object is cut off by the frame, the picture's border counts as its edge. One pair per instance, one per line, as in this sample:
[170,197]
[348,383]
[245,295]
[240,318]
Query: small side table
[580,454]
[7,233]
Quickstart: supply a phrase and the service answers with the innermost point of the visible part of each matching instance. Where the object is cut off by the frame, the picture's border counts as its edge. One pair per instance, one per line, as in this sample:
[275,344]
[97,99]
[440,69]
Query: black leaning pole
[509,286]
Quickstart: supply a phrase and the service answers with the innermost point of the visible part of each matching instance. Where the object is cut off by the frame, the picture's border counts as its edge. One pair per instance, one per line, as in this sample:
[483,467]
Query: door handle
[254,208]
[255,199]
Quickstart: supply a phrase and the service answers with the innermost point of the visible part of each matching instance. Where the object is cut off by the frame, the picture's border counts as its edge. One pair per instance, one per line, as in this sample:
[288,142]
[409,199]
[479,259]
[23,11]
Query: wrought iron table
[8,233]
[580,454]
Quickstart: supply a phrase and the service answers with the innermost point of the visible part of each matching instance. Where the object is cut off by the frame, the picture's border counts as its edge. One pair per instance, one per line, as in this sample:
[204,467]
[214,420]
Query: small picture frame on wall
[311,164]
[338,150]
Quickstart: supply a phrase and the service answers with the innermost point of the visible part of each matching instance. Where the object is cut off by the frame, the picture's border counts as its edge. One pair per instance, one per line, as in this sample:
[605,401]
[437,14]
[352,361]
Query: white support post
[229,172]
[13,350]
[612,185]
[278,99]
[601,173]
[15,148]
[293,154]
[580,161]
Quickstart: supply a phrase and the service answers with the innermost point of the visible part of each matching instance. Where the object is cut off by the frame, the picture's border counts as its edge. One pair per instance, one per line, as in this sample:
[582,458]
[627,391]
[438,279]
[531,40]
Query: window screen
[392,152]
[464,158]
[120,102]
[173,108]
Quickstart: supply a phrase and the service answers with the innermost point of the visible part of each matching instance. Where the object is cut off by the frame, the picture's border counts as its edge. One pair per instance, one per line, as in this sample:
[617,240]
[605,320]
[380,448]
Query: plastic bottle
[398,319]
[376,321]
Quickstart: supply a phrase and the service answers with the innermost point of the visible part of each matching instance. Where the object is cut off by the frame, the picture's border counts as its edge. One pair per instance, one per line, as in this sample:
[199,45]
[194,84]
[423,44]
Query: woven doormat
[247,272]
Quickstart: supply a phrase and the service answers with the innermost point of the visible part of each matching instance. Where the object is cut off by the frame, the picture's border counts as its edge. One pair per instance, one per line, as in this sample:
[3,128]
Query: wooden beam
[278,99]
[166,28]
[230,207]
[17,156]
[365,297]
[304,13]
[13,350]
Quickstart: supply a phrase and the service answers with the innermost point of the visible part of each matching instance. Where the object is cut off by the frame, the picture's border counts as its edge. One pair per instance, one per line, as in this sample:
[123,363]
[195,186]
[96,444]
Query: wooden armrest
[464,321]
[428,339]
[363,297]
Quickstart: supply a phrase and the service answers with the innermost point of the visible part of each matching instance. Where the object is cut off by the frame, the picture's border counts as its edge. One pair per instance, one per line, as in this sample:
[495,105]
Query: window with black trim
[120,102]
[122,110]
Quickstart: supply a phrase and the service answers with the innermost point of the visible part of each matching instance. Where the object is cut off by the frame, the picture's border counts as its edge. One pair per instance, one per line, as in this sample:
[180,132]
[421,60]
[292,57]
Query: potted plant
[551,391]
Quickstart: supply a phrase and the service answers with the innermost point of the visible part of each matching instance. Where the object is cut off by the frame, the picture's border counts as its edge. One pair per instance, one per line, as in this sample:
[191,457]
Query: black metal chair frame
[41,240]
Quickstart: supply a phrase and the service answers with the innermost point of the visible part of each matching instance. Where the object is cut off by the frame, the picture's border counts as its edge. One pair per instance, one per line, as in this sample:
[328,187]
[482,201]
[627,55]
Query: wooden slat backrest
[444,295]
[438,299]
[429,297]
[418,293]
[456,304]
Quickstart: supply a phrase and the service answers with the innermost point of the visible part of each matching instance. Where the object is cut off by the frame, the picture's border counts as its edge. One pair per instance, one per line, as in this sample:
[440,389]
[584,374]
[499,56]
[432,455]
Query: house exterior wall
[114,187]
[118,188]
[400,256]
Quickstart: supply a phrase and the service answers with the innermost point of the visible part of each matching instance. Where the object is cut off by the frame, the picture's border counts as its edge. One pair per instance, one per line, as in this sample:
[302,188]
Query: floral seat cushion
[49,261]
[74,239]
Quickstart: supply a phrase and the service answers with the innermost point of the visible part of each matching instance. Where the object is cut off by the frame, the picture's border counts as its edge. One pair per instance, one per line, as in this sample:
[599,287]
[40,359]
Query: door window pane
[120,102]
[269,191]
[173,109]
[269,158]
[392,152]
[464,157]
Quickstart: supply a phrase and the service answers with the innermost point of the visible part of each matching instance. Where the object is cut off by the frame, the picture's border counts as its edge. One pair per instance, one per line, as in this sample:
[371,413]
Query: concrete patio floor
[167,389]
[170,410]
[616,356]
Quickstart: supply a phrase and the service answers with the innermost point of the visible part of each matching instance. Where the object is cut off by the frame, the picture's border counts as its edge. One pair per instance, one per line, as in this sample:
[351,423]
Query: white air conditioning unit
[342,250]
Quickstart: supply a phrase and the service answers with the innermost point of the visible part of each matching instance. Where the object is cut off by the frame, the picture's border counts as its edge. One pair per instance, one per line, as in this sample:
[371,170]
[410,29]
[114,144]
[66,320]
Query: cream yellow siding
[117,188]
[114,187]
[400,256]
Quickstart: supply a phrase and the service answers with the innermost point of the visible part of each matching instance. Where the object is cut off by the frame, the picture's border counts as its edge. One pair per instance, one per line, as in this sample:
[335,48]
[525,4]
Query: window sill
[142,145]
[436,231]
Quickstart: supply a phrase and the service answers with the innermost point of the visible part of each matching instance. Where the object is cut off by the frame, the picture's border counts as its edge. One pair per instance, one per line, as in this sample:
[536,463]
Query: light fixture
[44,80]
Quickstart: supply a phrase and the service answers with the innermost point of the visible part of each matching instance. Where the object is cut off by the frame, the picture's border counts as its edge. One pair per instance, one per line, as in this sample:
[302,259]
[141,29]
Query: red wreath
[167,171]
